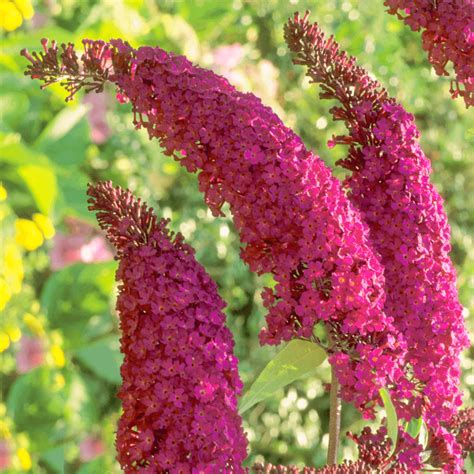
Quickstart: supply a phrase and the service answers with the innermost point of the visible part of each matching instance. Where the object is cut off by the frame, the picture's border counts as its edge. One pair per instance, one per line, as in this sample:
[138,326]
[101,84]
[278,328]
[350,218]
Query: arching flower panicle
[180,377]
[390,184]
[292,215]
[447,35]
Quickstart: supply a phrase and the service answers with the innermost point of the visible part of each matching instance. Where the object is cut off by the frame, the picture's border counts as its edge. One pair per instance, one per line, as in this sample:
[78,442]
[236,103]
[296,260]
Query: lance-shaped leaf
[298,359]
[392,419]
[413,427]
[423,435]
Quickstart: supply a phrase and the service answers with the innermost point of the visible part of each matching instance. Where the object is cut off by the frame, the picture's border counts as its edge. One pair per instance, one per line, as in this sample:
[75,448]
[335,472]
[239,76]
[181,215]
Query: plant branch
[334,416]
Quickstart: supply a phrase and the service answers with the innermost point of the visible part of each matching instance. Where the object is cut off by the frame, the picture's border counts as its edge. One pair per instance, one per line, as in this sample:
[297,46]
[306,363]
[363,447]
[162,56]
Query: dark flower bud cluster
[375,449]
[62,65]
[348,467]
[461,429]
[462,426]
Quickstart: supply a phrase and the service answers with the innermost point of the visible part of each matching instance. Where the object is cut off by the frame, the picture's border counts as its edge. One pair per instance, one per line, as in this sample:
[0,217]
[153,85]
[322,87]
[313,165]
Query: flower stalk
[334,413]
[334,419]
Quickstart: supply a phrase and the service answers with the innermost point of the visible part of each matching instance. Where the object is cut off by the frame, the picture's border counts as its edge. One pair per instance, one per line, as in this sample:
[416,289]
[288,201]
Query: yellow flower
[59,382]
[5,293]
[4,430]
[33,324]
[45,225]
[24,458]
[13,332]
[4,341]
[13,269]
[3,193]
[27,234]
[26,9]
[58,355]
[10,17]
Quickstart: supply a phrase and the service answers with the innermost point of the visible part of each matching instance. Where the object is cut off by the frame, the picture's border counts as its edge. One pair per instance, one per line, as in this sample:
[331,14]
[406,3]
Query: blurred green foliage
[60,415]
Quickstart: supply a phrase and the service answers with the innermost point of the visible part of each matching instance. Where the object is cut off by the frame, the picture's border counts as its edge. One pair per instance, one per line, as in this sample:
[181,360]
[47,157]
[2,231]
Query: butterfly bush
[180,377]
[292,215]
[389,182]
[448,36]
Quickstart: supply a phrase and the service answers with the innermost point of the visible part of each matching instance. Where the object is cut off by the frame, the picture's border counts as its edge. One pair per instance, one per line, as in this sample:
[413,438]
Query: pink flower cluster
[99,127]
[31,354]
[80,243]
[448,36]
[280,194]
[5,454]
[291,213]
[90,448]
[180,378]
[394,315]
[390,184]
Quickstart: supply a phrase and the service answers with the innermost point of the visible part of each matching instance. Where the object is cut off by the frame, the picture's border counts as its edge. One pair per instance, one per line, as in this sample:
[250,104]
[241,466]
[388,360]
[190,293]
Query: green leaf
[15,153]
[392,419]
[61,125]
[413,427]
[423,435]
[14,107]
[54,458]
[297,360]
[66,137]
[72,200]
[41,182]
[75,297]
[103,358]
[33,170]
[94,467]
[38,406]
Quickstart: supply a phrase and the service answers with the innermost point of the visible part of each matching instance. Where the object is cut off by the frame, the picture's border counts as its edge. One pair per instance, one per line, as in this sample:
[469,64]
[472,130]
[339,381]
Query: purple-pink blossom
[31,354]
[292,215]
[90,448]
[180,377]
[99,127]
[5,454]
[448,36]
[390,184]
[80,243]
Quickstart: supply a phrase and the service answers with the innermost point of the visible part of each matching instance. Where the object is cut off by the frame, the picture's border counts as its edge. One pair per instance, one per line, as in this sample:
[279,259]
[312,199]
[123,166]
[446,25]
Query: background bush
[58,331]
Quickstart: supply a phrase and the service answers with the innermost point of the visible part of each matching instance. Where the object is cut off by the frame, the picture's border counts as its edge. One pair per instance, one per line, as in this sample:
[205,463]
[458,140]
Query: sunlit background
[58,328]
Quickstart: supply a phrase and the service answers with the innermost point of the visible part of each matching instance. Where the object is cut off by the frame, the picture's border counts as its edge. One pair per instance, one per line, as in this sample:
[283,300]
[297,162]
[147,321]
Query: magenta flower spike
[390,184]
[180,377]
[292,215]
[448,37]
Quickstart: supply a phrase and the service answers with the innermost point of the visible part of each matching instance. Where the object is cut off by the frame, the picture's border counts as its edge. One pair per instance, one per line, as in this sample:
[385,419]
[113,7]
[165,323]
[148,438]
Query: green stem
[334,418]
